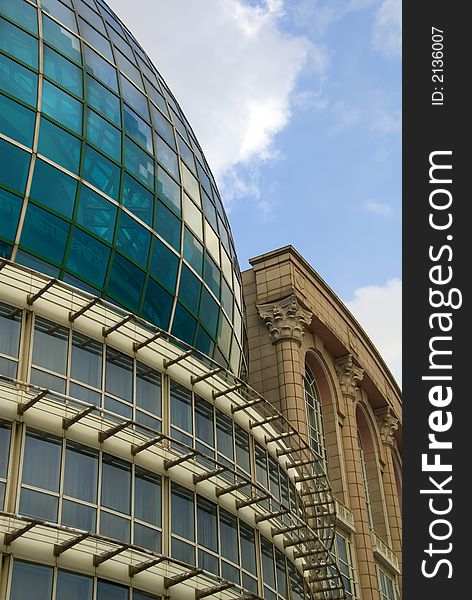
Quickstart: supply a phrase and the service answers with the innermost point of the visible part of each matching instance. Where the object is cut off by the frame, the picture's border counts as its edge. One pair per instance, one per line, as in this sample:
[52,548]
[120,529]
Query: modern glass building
[135,461]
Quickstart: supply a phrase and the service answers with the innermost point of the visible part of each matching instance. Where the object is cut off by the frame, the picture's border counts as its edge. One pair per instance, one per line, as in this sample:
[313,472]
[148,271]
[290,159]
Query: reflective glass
[133,239]
[71,586]
[15,164]
[182,511]
[96,214]
[10,327]
[189,290]
[211,275]
[229,536]
[167,225]
[60,12]
[137,199]
[111,591]
[114,526]
[59,146]
[78,515]
[167,190]
[81,472]
[21,12]
[164,265]
[137,129]
[163,127]
[50,346]
[104,101]
[86,361]
[99,68]
[248,548]
[183,325]
[116,484]
[204,342]
[18,81]
[46,380]
[148,389]
[147,538]
[104,135]
[125,282]
[181,407]
[134,98]
[193,251]
[139,163]
[23,258]
[38,505]
[207,524]
[191,185]
[44,234]
[4,448]
[62,71]
[10,208]
[88,258]
[157,304]
[61,39]
[95,39]
[30,581]
[147,503]
[209,312]
[18,43]
[101,173]
[167,157]
[119,374]
[53,188]
[42,461]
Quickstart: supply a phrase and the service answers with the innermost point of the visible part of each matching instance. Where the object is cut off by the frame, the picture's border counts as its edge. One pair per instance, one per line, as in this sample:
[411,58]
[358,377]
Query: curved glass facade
[102,181]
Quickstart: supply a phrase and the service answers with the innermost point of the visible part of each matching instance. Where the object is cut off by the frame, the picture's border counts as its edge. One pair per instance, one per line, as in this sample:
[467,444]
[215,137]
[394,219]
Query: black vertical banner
[437,395]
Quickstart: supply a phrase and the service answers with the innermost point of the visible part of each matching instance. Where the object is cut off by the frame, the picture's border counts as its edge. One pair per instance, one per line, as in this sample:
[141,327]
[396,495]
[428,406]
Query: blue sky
[297,105]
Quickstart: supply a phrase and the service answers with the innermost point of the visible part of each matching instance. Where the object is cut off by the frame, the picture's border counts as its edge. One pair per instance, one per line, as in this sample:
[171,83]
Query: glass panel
[187,155]
[86,362]
[99,68]
[193,217]
[211,275]
[81,473]
[182,551]
[224,335]
[50,346]
[207,525]
[95,39]
[242,449]
[111,591]
[191,185]
[53,188]
[96,214]
[148,389]
[261,465]
[106,103]
[126,282]
[16,121]
[60,12]
[61,39]
[22,13]
[10,327]
[136,128]
[46,380]
[204,417]
[137,199]
[71,586]
[147,538]
[128,68]
[168,225]
[164,265]
[119,374]
[19,44]
[133,239]
[157,305]
[167,157]
[42,460]
[139,163]
[193,251]
[209,312]
[226,298]
[59,146]
[115,527]
[38,505]
[62,71]
[61,107]
[182,511]
[267,563]
[101,173]
[184,325]
[31,581]
[104,135]
[18,81]
[189,290]
[134,98]
[248,548]
[168,190]
[224,435]
[4,448]
[44,233]
[15,164]
[163,127]
[181,406]
[116,484]
[78,515]
[147,506]
[281,574]
[229,536]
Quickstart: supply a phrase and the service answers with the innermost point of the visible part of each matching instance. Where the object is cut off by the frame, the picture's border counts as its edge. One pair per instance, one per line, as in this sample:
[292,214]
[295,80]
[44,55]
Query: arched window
[365,481]
[314,414]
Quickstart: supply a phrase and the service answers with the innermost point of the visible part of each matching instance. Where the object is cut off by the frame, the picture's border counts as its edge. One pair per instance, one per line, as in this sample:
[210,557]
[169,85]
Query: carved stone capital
[349,375]
[388,424]
[285,319]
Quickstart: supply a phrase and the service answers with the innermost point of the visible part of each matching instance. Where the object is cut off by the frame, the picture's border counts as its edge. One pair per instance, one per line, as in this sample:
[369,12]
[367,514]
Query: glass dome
[102,181]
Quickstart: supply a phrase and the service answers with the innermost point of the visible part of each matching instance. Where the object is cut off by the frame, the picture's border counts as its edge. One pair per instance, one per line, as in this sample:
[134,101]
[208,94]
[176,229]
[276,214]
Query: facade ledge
[384,554]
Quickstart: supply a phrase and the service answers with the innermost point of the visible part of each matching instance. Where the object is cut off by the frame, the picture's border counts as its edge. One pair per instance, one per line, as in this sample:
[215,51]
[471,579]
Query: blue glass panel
[15,164]
[164,265]
[59,146]
[134,98]
[71,586]
[167,225]
[157,305]
[137,199]
[18,81]
[95,39]
[78,515]
[104,135]
[99,67]
[10,208]
[62,71]
[61,39]
[111,591]
[16,121]
[209,312]
[44,234]
[23,258]
[136,128]
[189,290]
[101,173]
[133,239]
[106,103]
[88,258]
[167,190]
[167,157]
[183,326]
[18,43]
[21,12]
[163,127]
[156,97]
[186,154]
[90,15]
[211,275]
[53,188]
[96,214]
[203,342]
[193,251]
[5,252]
[126,282]
[60,12]
[61,107]
[140,164]
[128,68]
[31,581]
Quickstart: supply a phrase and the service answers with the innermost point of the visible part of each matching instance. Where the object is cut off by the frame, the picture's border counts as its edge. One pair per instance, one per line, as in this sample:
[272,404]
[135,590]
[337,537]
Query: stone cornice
[349,375]
[285,319]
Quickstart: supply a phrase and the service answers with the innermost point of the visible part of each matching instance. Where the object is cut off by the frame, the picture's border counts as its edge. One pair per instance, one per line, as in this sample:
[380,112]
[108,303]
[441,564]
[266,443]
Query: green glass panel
[186,154]
[60,12]
[167,190]
[44,234]
[18,43]
[164,265]
[15,164]
[88,258]
[167,225]
[99,68]
[163,127]
[16,121]
[136,99]
[193,251]
[157,305]
[189,290]
[128,68]
[203,342]
[21,12]
[62,71]
[137,129]
[59,146]
[209,312]
[95,39]
[5,252]
[101,173]
[18,81]
[96,214]
[156,97]
[137,199]
[184,325]
[90,15]
[211,275]
[10,208]
[139,163]
[104,101]
[61,107]
[104,135]
[133,239]
[61,39]
[167,157]
[125,282]
[23,258]
[53,188]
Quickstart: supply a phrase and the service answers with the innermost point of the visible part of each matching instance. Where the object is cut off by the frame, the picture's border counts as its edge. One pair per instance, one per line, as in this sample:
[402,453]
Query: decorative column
[349,376]
[388,424]
[285,320]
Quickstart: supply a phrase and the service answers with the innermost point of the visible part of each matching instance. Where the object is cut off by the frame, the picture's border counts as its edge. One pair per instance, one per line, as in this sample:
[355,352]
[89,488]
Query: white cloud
[379,310]
[387,30]
[231,67]
[379,208]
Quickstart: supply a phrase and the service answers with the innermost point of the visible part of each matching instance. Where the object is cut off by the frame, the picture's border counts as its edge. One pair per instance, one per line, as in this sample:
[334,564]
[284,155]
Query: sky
[297,106]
